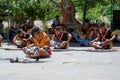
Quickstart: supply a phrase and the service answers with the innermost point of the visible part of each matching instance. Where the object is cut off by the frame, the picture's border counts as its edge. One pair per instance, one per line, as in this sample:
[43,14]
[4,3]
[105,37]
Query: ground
[76,64]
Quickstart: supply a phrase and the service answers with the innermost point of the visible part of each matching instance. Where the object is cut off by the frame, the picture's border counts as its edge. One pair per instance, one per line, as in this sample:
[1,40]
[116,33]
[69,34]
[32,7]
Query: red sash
[59,37]
[103,35]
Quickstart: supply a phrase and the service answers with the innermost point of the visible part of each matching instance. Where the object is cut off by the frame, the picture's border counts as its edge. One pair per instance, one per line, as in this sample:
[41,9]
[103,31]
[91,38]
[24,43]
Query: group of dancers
[36,43]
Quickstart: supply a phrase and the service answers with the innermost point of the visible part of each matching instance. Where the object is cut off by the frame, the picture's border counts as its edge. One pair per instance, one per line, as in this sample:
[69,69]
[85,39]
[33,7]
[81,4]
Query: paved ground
[63,65]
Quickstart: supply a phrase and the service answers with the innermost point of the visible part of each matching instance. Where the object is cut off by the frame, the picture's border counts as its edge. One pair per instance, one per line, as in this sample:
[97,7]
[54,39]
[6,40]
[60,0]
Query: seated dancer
[93,31]
[52,30]
[63,38]
[84,34]
[12,34]
[104,39]
[20,39]
[40,47]
[1,38]
[80,37]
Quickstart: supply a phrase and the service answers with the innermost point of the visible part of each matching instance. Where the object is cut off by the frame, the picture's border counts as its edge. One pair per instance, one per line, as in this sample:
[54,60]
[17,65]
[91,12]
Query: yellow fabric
[42,42]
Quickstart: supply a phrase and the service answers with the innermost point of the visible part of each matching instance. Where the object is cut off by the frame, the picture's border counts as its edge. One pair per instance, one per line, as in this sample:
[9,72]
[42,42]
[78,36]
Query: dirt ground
[78,63]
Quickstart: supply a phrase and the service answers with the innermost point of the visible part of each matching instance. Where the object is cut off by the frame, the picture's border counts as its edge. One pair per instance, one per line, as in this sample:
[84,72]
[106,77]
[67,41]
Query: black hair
[34,30]
[19,31]
[101,24]
[53,25]
[27,36]
[24,28]
[57,28]
[94,24]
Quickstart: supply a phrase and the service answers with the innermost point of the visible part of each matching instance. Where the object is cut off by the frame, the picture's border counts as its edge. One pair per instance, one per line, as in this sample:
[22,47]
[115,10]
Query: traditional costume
[41,46]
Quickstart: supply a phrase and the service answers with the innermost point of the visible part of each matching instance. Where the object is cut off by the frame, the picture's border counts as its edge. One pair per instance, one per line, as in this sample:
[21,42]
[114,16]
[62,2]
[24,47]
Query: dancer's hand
[108,40]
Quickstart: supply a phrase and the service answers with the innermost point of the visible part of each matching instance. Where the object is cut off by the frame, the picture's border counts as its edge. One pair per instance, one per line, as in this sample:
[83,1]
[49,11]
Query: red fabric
[49,52]
[103,34]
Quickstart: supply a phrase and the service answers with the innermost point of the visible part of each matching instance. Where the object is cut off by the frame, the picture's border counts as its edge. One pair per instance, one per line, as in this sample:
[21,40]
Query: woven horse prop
[68,12]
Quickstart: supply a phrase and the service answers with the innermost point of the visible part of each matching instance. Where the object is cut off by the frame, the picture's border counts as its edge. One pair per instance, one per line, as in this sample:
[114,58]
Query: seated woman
[20,39]
[40,47]
[62,38]
[51,30]
[92,32]
[12,34]
[80,37]
[104,39]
